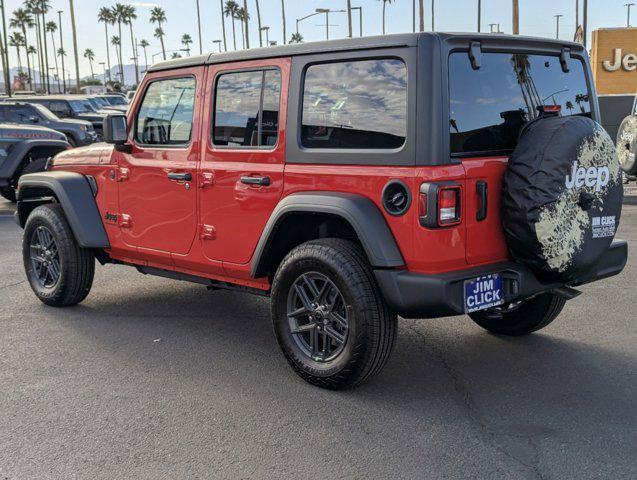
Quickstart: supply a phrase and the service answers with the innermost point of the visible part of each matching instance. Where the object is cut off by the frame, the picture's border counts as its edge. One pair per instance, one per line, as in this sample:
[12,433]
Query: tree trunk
[433,15]
[349,18]
[384,4]
[259,24]
[283,17]
[46,54]
[121,60]
[17,49]
[234,35]
[199,28]
[246,21]
[132,41]
[145,59]
[108,54]
[421,7]
[90,62]
[516,17]
[39,49]
[26,49]
[161,40]
[77,60]
[223,28]
[55,57]
[243,36]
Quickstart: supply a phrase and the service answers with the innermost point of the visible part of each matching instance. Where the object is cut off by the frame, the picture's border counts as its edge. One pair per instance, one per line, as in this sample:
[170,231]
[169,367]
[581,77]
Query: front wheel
[329,317]
[521,318]
[59,271]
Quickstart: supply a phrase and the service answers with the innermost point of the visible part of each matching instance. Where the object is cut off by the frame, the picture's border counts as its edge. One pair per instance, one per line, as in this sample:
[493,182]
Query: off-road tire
[532,315]
[8,193]
[372,325]
[76,264]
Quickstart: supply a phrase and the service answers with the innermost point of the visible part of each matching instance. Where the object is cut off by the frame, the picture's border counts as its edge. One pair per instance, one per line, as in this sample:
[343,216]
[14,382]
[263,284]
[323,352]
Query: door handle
[180,177]
[482,191]
[259,181]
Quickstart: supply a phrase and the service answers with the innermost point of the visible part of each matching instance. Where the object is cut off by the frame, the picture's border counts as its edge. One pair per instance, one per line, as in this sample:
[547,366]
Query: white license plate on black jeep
[483,292]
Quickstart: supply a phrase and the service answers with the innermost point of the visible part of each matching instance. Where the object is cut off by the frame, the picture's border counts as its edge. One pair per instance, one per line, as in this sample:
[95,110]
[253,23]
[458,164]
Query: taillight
[448,206]
[439,204]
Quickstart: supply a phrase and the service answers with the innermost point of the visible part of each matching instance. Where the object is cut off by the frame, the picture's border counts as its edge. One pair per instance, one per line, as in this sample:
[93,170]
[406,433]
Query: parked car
[116,102]
[420,175]
[101,106]
[25,149]
[627,144]
[130,95]
[77,132]
[69,106]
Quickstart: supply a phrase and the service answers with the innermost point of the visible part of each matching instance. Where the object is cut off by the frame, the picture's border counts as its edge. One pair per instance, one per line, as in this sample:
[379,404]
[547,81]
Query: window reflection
[355,104]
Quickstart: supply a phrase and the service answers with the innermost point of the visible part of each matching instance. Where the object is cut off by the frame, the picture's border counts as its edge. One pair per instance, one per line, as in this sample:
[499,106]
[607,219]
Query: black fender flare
[360,212]
[20,150]
[75,194]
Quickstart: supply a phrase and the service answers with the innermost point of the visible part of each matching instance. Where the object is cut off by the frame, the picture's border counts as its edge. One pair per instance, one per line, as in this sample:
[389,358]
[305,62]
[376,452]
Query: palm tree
[259,24]
[158,16]
[90,55]
[130,14]
[105,16]
[159,34]
[144,44]
[51,27]
[43,8]
[186,40]
[75,51]
[115,41]
[32,6]
[283,20]
[120,12]
[16,40]
[199,28]
[385,2]
[231,11]
[223,27]
[22,19]
[246,18]
[296,38]
[31,51]
[243,17]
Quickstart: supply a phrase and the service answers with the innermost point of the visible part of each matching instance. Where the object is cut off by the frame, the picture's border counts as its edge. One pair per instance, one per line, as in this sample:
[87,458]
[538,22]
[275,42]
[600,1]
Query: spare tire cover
[562,196]
[627,144]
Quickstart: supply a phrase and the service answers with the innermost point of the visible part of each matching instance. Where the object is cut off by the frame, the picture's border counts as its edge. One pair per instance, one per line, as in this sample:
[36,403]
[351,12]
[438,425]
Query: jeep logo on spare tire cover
[562,196]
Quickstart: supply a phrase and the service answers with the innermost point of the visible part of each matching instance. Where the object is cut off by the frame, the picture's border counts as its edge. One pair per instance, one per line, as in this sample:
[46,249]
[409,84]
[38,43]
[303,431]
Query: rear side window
[355,105]
[490,105]
[165,115]
[247,109]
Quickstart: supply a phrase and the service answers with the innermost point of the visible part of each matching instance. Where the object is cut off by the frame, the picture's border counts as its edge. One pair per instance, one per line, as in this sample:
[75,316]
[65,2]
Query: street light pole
[103,64]
[628,5]
[516,17]
[585,21]
[7,73]
[266,29]
[479,14]
[360,19]
[557,25]
[219,43]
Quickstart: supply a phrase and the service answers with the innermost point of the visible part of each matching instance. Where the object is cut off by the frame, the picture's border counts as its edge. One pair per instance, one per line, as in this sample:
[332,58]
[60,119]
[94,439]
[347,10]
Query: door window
[18,114]
[246,110]
[166,114]
[61,109]
[355,104]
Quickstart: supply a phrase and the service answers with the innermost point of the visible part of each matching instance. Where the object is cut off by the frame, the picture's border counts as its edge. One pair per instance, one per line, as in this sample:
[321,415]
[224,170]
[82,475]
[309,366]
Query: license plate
[483,292]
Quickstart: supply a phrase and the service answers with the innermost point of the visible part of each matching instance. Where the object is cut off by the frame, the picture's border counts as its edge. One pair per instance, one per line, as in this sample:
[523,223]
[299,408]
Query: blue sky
[451,15]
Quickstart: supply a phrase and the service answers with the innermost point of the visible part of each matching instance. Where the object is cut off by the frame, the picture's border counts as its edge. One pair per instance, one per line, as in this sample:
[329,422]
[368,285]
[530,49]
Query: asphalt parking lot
[153,378]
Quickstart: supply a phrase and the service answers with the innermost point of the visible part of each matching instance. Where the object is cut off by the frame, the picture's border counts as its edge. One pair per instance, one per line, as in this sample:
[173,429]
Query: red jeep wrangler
[421,175]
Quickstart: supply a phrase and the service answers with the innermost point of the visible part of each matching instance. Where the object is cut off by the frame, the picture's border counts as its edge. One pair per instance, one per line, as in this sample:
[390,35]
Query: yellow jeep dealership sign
[614,60]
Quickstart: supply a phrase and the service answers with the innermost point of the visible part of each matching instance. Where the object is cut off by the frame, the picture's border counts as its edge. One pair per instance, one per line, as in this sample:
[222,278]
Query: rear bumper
[414,295]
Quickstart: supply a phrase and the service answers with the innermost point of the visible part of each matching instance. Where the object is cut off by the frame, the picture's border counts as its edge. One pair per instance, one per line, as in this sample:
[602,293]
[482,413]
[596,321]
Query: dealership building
[614,64]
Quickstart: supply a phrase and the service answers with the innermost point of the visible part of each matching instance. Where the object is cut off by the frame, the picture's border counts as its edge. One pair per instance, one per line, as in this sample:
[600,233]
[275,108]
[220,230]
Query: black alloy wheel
[45,258]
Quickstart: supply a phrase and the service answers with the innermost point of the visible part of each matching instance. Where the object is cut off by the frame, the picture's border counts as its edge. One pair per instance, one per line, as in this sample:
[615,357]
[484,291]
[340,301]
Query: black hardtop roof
[358,43]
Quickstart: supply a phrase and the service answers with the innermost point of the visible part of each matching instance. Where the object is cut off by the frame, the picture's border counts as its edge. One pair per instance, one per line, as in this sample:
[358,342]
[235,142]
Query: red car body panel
[210,226]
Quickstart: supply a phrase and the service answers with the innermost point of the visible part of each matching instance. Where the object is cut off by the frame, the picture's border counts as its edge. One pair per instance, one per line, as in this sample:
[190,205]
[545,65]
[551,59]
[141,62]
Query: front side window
[19,114]
[490,105]
[166,114]
[247,109]
[60,108]
[355,104]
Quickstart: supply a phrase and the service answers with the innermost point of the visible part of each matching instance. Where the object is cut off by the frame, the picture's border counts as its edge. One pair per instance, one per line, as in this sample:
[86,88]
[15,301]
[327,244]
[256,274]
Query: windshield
[99,101]
[115,100]
[81,106]
[94,103]
[45,112]
[489,106]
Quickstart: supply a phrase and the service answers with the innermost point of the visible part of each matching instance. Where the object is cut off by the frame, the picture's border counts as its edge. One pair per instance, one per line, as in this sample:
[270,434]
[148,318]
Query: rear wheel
[59,271]
[521,318]
[330,320]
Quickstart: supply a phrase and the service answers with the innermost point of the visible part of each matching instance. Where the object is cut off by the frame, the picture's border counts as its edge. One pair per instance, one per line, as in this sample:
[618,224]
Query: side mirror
[34,119]
[115,129]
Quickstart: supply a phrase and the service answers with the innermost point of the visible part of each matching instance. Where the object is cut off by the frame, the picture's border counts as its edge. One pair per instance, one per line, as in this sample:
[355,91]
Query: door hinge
[206,179]
[122,174]
[207,232]
[125,221]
